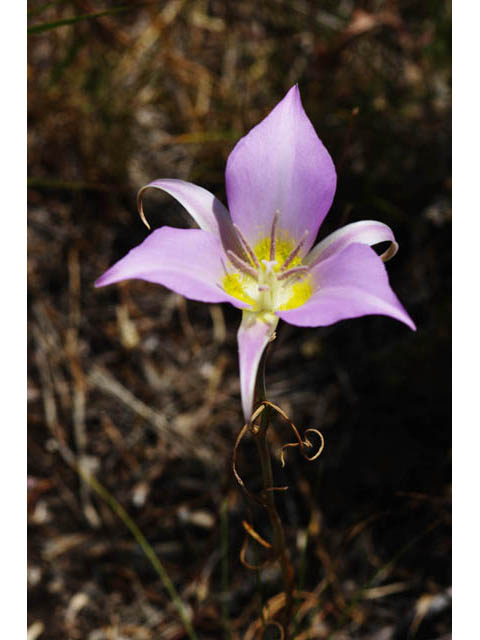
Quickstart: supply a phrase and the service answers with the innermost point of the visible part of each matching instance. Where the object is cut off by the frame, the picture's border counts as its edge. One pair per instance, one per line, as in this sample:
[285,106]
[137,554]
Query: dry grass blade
[100,378]
[48,26]
[271,609]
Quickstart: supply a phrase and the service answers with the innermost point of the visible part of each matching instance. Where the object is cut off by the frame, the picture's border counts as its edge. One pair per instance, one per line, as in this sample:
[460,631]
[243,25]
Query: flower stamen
[273,238]
[294,253]
[292,272]
[247,248]
[241,264]
[268,288]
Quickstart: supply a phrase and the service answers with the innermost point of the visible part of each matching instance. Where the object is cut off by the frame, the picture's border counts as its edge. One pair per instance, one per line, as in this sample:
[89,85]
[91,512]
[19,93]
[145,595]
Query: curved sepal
[367,232]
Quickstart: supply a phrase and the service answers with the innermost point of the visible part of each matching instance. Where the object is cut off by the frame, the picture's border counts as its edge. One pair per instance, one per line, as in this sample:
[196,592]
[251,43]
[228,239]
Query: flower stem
[279,543]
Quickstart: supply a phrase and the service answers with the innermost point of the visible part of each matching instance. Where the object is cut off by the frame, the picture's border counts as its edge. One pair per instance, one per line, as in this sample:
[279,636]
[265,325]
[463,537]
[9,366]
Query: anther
[241,264]
[248,249]
[263,287]
[293,272]
[273,238]
[294,253]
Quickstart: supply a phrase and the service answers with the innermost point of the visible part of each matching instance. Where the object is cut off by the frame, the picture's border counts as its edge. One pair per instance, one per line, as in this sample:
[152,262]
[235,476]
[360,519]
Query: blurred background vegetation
[141,387]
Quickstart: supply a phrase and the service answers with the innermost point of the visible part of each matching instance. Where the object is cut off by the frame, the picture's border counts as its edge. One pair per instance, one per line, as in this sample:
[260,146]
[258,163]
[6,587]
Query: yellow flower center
[270,276]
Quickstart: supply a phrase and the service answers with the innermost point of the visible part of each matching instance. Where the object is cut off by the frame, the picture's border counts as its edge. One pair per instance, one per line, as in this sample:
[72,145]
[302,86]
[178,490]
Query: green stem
[279,543]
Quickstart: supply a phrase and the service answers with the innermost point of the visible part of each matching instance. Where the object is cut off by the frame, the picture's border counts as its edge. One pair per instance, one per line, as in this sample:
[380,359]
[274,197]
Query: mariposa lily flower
[280,183]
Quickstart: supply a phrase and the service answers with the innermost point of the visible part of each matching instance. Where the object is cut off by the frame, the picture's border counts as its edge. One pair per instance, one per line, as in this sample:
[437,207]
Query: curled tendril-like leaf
[239,438]
[390,252]
[309,444]
[253,428]
[258,411]
[261,497]
[282,451]
[140,207]
[274,623]
[238,477]
[244,561]
[255,535]
[300,443]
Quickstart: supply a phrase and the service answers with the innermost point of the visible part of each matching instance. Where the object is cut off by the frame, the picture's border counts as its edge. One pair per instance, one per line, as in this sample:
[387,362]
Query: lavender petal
[281,165]
[349,284]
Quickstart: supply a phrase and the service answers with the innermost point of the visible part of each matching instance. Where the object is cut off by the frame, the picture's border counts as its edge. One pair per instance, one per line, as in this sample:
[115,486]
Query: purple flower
[280,183]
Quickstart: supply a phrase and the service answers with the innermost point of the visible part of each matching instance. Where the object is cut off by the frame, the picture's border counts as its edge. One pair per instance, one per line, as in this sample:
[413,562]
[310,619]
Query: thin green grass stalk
[47,26]
[147,549]
[37,10]
[224,543]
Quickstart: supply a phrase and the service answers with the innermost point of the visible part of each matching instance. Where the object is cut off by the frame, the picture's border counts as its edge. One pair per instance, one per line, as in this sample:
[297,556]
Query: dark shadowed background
[141,387]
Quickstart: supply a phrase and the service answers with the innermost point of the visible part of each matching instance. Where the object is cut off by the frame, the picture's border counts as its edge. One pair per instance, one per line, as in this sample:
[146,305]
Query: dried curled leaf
[244,561]
[299,443]
[309,444]
[239,438]
[262,498]
[140,208]
[255,535]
